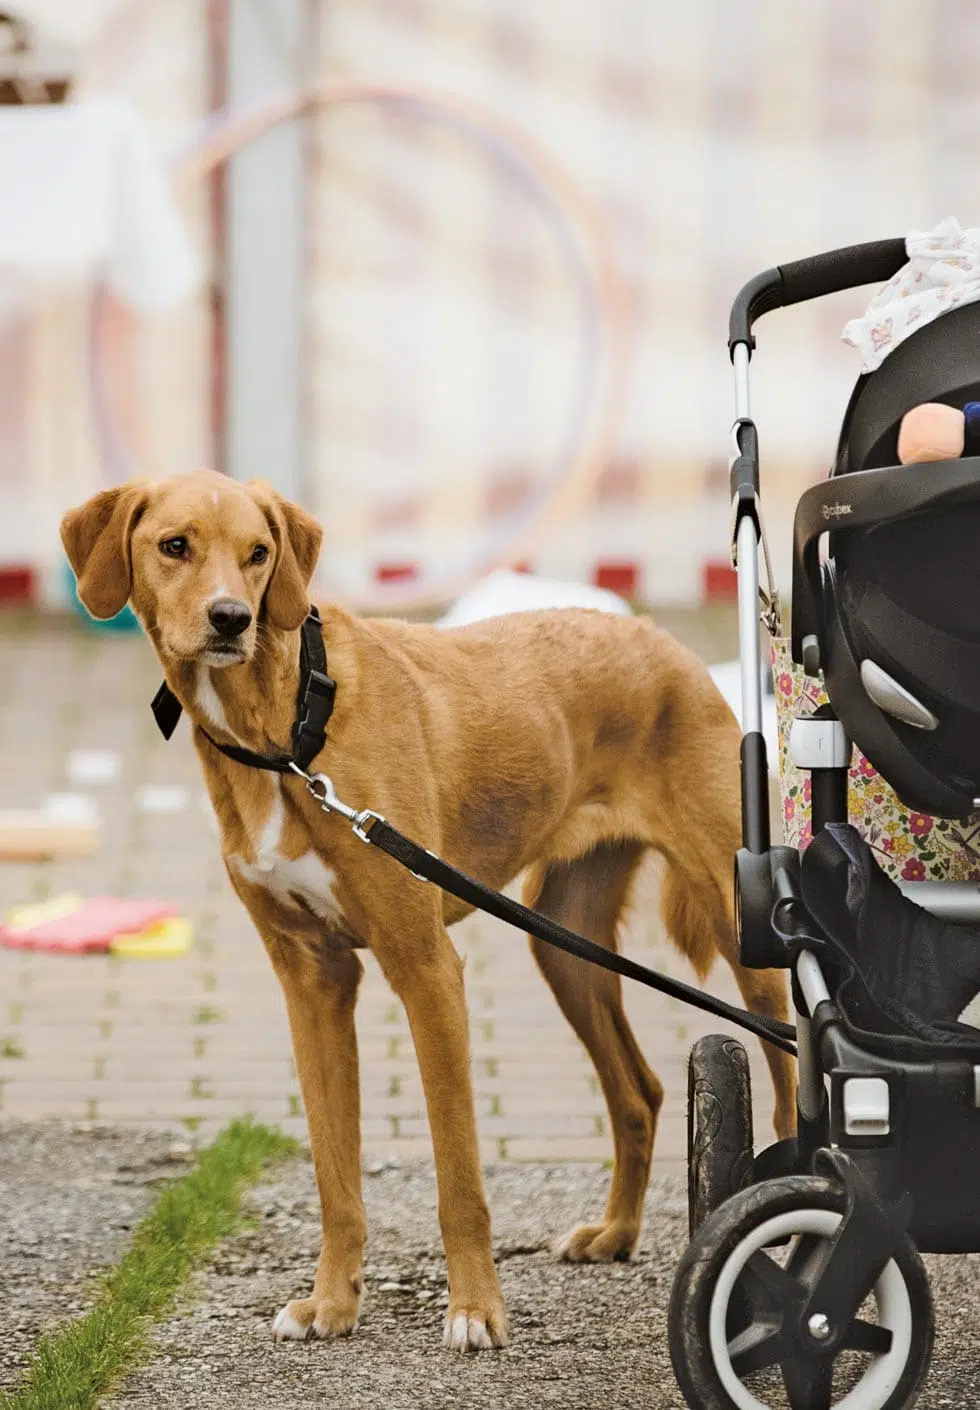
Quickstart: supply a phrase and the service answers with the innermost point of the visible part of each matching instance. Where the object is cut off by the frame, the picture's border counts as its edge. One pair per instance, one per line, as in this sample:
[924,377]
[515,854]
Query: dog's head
[203,559]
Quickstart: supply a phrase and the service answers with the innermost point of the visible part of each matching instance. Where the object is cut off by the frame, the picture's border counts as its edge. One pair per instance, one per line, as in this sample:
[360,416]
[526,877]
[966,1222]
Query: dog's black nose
[228,616]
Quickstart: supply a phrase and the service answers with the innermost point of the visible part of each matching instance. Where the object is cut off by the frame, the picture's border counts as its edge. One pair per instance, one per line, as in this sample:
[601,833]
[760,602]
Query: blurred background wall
[388,325]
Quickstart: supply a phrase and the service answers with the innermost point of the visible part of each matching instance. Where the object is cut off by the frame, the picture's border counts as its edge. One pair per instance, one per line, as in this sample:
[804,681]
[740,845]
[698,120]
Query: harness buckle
[316,707]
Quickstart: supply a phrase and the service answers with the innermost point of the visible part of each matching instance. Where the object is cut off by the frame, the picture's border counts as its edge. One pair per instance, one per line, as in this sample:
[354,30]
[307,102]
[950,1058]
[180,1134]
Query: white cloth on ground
[502,592]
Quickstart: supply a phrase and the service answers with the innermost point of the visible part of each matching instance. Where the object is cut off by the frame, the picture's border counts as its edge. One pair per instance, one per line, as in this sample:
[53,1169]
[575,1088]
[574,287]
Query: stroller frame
[888,1137]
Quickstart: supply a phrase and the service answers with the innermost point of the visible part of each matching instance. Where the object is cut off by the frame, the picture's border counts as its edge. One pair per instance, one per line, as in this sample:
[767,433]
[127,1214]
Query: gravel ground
[578,1334]
[582,1337]
[68,1198]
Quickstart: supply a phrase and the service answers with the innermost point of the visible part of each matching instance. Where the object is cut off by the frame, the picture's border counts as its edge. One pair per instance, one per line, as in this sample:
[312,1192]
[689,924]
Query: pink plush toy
[934,431]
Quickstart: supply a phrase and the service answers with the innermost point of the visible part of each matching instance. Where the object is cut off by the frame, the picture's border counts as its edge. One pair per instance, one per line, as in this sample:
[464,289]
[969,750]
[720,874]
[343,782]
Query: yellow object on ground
[40,912]
[165,940]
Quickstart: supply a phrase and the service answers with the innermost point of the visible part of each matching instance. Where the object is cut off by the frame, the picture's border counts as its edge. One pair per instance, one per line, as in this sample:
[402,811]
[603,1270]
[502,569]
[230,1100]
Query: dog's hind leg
[588,895]
[700,920]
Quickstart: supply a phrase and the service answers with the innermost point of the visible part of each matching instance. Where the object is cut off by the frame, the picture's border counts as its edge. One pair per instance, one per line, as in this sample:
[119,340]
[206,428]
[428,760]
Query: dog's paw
[597,1243]
[472,1329]
[308,1317]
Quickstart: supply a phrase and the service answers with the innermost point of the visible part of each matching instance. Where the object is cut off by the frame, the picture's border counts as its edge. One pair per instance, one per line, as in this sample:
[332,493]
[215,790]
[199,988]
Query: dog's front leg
[427,975]
[320,994]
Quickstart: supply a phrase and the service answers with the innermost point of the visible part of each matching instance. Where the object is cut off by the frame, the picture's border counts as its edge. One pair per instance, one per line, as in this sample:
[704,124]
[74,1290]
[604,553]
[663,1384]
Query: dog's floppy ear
[297,538]
[96,537]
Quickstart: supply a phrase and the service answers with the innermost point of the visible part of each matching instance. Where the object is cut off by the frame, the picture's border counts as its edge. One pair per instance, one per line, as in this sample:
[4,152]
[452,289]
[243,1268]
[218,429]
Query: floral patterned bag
[908,846]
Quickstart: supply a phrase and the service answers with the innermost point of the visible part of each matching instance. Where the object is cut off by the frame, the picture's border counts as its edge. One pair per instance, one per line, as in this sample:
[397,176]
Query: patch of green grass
[10,1048]
[207,1014]
[72,1368]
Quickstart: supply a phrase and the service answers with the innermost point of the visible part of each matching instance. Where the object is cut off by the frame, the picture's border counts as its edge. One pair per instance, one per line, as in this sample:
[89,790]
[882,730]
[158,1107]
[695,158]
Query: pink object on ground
[91,927]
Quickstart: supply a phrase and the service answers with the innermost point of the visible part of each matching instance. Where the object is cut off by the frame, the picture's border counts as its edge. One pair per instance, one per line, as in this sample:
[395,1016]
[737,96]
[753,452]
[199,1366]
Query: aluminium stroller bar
[811,981]
[746,531]
[952,900]
[747,561]
[740,363]
[748,627]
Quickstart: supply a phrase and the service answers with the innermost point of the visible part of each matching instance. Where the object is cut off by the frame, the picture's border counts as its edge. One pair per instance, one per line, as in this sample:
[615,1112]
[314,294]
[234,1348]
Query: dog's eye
[259,553]
[174,548]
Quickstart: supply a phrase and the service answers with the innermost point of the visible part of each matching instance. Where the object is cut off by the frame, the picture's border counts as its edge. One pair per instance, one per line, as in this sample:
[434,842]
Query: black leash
[424,864]
[371,827]
[314,706]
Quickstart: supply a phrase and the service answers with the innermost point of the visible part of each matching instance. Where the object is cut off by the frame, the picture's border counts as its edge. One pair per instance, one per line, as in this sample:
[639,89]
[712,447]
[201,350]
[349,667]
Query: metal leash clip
[320,787]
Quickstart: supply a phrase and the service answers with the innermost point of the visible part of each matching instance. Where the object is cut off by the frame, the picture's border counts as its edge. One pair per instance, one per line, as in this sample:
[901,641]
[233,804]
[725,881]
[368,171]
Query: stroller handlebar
[803,279]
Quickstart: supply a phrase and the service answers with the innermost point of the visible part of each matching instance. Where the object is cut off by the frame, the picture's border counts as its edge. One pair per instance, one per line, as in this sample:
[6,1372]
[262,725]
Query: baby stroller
[803,1284]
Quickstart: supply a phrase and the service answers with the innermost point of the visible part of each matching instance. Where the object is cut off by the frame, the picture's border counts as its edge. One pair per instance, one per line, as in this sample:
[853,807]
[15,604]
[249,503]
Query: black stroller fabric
[895,969]
[907,594]
[906,589]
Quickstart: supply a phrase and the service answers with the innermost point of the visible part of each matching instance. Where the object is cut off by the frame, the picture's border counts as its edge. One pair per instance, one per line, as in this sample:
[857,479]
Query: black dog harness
[315,700]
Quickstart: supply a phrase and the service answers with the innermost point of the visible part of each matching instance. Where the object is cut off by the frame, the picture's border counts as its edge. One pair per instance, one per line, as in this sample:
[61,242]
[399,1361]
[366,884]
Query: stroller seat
[893,603]
[901,976]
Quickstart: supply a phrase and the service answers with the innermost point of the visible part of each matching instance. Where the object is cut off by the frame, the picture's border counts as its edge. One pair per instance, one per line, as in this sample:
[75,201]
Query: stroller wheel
[719,1125]
[733,1342]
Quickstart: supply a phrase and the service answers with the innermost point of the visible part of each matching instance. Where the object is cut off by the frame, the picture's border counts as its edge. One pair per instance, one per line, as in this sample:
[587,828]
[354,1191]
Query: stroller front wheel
[732,1335]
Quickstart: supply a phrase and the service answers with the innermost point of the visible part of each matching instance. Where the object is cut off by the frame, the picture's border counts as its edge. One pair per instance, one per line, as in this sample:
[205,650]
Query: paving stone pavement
[192,1042]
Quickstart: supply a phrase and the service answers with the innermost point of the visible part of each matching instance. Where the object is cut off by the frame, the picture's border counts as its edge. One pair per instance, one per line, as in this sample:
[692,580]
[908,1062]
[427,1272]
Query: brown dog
[562,743]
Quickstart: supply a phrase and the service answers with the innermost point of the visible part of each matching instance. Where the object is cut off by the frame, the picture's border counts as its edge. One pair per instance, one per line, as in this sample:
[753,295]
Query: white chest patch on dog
[208,702]
[267,853]
[306,878]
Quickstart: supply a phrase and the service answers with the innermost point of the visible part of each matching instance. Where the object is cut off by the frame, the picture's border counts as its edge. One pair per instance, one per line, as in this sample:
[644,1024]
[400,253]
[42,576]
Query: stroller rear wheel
[734,1342]
[719,1125]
